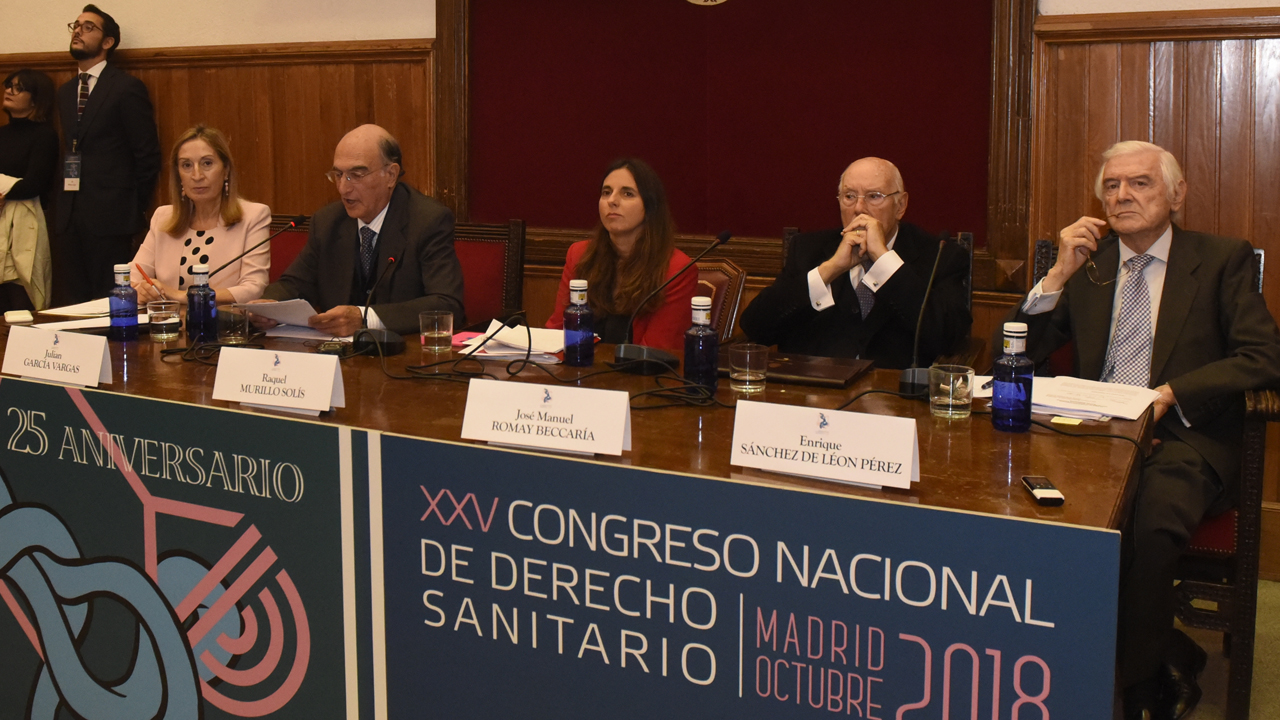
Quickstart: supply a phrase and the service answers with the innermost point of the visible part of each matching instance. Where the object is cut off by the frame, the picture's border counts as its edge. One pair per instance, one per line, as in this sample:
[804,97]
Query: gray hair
[1169,168]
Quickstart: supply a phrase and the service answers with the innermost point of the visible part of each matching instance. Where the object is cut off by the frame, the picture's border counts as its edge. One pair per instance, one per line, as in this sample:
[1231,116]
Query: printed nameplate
[298,382]
[875,450]
[64,357]
[549,417]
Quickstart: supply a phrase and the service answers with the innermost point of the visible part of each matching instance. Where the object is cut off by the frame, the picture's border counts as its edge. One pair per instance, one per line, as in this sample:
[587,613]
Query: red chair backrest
[483,274]
[284,249]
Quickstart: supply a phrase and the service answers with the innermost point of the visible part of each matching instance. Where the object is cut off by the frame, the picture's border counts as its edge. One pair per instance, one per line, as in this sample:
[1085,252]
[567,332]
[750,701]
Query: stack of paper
[1084,399]
[512,342]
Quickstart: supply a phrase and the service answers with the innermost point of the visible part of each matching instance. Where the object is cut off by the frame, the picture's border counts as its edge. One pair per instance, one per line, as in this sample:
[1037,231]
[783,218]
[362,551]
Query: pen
[153,285]
[987,385]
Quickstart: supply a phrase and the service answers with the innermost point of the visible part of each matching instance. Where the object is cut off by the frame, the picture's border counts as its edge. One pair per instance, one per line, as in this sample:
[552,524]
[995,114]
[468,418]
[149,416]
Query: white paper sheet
[288,312]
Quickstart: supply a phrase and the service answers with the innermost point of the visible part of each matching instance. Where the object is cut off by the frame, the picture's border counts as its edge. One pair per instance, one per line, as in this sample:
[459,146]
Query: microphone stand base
[368,341]
[914,382]
[641,360]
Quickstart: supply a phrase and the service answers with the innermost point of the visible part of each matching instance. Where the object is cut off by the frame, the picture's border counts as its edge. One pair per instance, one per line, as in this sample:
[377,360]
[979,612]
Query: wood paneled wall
[284,107]
[1204,85]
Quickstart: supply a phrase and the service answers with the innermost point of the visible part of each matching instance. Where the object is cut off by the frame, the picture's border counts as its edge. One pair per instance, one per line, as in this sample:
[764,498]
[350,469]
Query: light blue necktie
[1129,355]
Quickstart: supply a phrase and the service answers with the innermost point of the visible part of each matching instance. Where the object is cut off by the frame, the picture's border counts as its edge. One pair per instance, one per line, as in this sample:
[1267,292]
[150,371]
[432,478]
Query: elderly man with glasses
[1148,303]
[857,291]
[353,242]
[111,162]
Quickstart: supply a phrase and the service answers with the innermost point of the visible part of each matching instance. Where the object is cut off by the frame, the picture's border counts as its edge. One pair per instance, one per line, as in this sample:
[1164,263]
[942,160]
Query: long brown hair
[617,284]
[183,208]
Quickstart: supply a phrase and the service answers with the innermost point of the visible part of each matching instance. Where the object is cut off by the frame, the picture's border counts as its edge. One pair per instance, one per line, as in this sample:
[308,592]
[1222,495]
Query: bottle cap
[577,284]
[702,302]
[122,268]
[1016,329]
[198,269]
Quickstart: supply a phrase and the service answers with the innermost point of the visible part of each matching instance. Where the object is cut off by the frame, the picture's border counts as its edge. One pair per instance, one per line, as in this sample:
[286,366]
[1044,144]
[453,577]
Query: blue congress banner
[519,585]
[161,560]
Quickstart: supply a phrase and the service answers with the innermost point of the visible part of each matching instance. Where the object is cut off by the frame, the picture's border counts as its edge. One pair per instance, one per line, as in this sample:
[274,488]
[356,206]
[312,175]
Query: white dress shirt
[881,270]
[94,73]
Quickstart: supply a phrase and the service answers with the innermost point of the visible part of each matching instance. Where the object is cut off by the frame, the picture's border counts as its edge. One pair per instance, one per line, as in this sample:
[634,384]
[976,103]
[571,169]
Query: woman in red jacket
[631,252]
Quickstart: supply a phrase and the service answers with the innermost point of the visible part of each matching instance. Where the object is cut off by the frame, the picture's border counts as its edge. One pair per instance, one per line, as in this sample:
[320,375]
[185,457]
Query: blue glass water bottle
[202,308]
[1011,396]
[123,303]
[702,347]
[579,336]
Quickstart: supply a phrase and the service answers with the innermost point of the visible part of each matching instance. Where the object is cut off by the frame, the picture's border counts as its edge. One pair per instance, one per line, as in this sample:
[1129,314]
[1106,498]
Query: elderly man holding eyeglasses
[856,291]
[1148,303]
[110,164]
[353,243]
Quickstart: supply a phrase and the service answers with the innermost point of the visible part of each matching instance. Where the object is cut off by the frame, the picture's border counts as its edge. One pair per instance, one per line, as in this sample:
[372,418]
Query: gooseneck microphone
[642,360]
[293,223]
[915,380]
[382,341]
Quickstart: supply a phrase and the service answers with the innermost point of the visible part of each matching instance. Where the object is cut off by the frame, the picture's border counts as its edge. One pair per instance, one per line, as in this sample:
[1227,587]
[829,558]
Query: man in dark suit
[352,242]
[1162,307]
[113,149]
[857,291]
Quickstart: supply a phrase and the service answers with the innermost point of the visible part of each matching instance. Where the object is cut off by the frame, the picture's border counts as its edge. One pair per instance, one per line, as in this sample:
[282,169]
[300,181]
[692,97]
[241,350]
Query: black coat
[417,231]
[120,154]
[783,315]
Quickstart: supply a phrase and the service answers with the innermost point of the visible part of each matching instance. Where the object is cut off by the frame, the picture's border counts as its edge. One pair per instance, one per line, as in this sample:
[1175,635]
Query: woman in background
[206,224]
[28,171]
[631,253]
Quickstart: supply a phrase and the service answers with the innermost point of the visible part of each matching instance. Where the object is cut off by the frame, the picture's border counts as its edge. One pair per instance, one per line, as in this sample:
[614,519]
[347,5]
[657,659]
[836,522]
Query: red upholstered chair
[286,246]
[722,281]
[492,258]
[1218,573]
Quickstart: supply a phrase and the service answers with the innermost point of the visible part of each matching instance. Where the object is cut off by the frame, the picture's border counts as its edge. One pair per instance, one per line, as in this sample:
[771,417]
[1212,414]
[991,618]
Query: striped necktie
[84,95]
[1129,356]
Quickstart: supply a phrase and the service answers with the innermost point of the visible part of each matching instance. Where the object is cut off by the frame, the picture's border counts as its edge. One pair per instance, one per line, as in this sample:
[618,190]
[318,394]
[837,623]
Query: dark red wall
[748,110]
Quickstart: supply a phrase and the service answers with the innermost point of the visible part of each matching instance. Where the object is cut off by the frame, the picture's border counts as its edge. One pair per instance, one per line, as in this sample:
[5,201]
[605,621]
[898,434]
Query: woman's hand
[147,292]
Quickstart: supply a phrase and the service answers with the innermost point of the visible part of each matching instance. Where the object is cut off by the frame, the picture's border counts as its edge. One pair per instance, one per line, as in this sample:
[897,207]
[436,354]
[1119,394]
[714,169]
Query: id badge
[71,172]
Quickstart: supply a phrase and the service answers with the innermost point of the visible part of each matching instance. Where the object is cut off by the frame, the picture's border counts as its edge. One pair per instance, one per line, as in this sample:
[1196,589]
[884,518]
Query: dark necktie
[367,239]
[866,296]
[84,95]
[1129,356]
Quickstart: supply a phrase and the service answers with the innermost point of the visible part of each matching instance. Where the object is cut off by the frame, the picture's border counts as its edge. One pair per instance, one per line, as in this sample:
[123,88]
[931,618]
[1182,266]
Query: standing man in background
[110,163]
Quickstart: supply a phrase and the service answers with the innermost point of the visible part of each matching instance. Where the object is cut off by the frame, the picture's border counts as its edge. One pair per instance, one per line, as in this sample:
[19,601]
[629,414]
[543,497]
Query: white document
[548,417]
[516,340]
[288,312]
[101,306]
[65,357]
[856,448]
[309,383]
[1079,398]
[86,323]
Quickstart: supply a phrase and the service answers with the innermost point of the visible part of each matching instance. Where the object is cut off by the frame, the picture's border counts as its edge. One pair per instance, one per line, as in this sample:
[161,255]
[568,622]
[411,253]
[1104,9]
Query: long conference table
[393,621]
[964,464]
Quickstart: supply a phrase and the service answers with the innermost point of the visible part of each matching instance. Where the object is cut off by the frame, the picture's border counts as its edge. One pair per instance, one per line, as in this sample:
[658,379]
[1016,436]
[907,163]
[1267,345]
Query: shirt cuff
[819,292]
[375,322]
[1039,301]
[1182,417]
[881,270]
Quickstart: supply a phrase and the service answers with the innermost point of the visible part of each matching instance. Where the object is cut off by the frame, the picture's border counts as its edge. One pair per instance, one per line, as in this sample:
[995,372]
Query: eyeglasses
[874,199]
[351,176]
[15,86]
[1091,270]
[85,27]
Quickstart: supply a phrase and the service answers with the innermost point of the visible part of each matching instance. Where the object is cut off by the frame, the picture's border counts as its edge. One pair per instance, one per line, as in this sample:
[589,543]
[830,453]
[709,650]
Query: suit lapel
[344,260]
[1091,307]
[391,242]
[1175,299]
